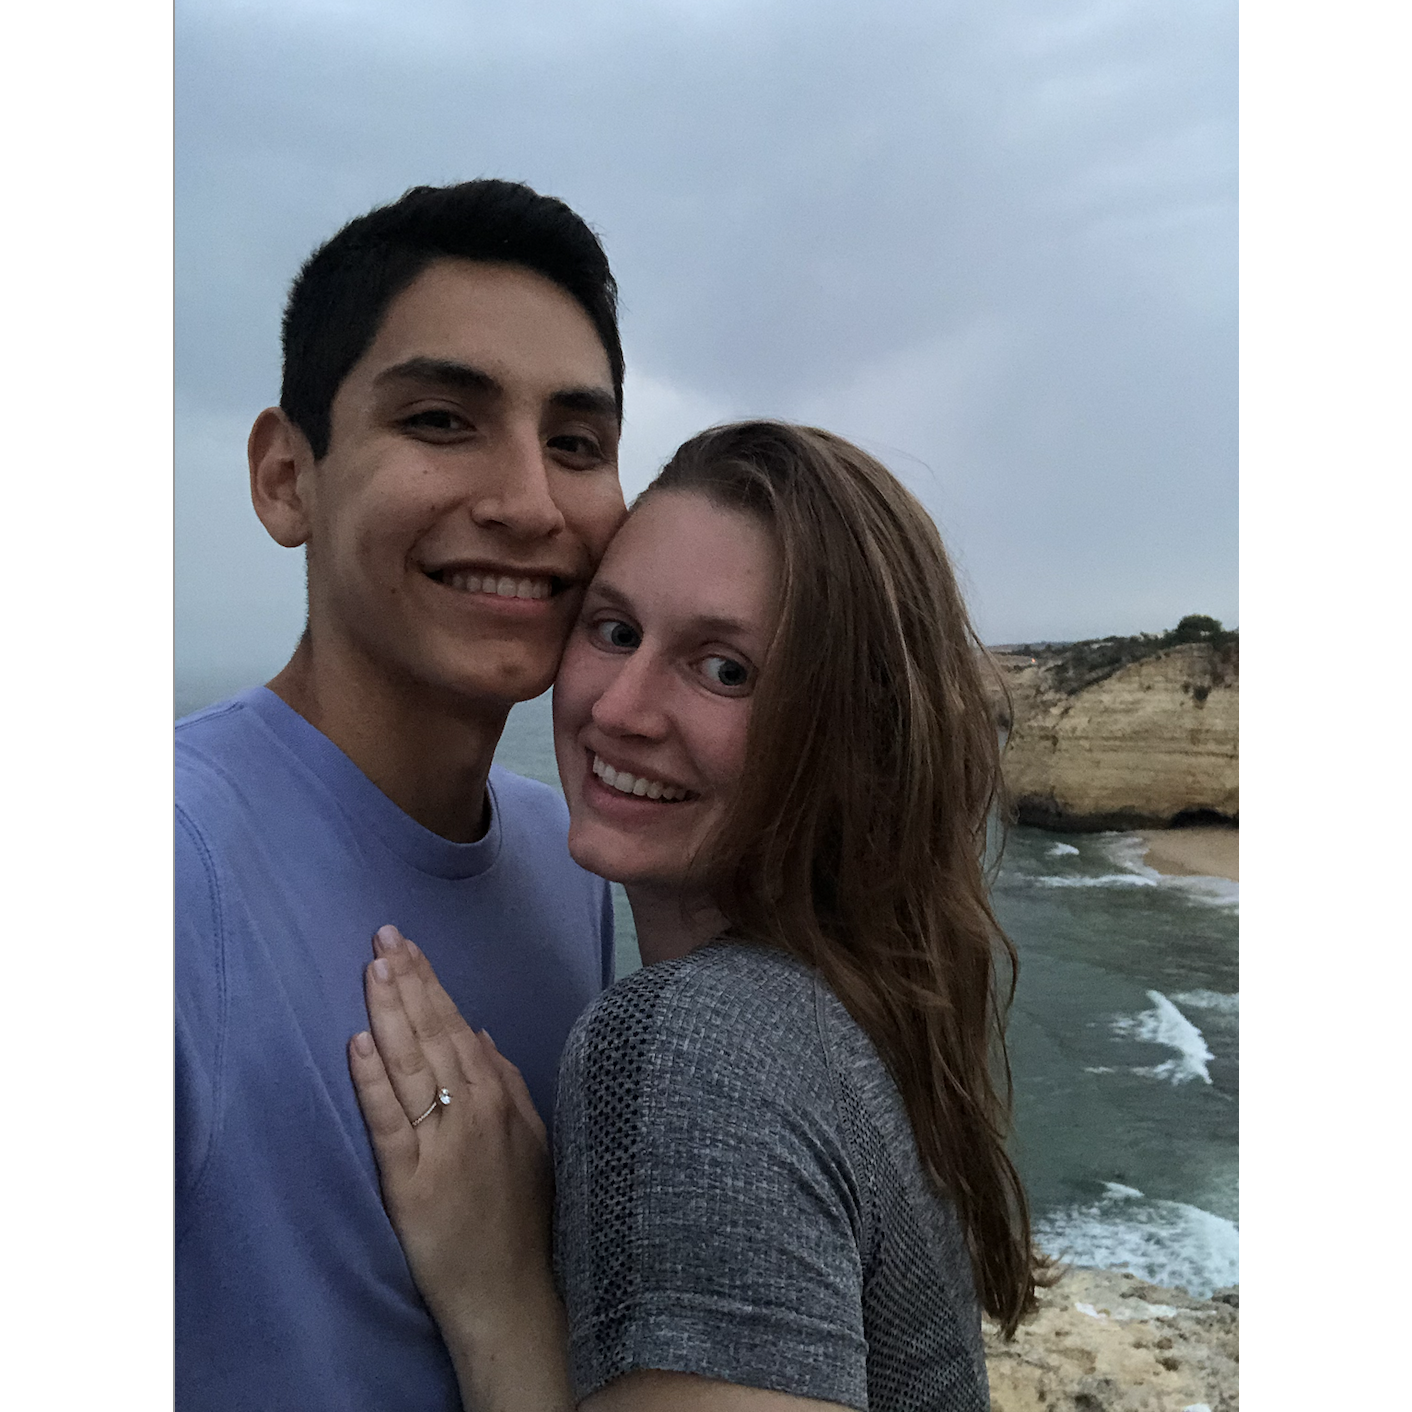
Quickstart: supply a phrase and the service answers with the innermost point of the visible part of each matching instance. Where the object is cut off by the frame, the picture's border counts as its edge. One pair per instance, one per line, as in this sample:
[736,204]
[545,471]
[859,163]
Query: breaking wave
[1164,1024]
[1165,1242]
[1214,1000]
[1124,852]
[1101,880]
[1128,850]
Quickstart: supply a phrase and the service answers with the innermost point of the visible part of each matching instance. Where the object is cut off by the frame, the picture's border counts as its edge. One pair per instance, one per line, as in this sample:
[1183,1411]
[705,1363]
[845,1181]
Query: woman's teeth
[634,784]
[502,587]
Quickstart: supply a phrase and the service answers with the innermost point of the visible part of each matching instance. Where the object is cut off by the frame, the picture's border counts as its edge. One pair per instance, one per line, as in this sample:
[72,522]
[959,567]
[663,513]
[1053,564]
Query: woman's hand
[466,1181]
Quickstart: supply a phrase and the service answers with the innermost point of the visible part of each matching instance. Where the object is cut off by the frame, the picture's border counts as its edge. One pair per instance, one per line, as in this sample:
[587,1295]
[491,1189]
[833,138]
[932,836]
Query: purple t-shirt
[291,1289]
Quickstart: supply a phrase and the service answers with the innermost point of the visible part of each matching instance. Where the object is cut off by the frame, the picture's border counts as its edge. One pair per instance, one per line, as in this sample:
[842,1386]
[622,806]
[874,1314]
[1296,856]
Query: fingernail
[363,1043]
[381,970]
[412,948]
[388,938]
[486,1033]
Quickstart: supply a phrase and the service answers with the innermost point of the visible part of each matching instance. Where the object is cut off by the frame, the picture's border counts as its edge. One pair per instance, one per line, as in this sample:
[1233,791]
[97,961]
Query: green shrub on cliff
[1077,665]
[1197,627]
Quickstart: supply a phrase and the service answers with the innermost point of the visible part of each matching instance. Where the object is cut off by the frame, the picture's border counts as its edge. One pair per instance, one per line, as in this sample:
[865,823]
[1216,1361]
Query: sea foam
[1214,1000]
[1102,880]
[1125,852]
[1164,1024]
[1129,850]
[1166,1242]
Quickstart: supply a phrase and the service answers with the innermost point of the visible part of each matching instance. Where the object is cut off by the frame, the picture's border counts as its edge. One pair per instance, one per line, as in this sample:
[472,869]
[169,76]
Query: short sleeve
[199,1006]
[707,1210]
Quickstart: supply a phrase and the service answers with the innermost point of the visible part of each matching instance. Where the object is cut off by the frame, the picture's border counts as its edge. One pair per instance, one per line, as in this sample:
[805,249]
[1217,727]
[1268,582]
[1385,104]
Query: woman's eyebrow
[724,627]
[599,587]
[708,624]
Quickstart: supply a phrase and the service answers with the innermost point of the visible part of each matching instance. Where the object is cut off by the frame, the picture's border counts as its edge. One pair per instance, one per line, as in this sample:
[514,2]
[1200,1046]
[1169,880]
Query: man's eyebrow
[594,400]
[445,371]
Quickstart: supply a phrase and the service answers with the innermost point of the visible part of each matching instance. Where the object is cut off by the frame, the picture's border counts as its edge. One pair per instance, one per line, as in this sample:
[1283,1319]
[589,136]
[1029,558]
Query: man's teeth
[502,587]
[634,784]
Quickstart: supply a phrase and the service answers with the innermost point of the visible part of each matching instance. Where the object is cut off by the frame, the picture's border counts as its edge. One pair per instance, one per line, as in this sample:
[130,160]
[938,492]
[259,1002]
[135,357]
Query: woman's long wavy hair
[857,838]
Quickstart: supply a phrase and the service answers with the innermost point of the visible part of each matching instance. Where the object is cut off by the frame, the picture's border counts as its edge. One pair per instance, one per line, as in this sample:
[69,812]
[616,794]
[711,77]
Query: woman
[780,1177]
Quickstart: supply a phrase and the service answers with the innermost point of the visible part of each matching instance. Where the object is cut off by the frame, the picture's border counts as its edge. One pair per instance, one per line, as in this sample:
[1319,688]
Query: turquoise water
[1123,1043]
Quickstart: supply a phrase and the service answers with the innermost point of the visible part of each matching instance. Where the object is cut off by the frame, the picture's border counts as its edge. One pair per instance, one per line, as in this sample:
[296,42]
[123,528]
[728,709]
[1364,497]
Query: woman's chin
[629,861]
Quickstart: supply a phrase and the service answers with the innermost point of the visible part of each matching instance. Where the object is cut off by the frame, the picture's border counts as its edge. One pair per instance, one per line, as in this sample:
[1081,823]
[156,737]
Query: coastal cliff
[1123,733]
[1105,1341]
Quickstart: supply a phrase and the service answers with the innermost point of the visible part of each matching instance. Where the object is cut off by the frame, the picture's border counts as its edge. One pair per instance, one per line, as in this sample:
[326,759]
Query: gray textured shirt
[739,1195]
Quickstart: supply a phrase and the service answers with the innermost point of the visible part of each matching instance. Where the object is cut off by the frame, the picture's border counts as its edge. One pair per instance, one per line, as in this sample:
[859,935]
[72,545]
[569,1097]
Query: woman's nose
[633,702]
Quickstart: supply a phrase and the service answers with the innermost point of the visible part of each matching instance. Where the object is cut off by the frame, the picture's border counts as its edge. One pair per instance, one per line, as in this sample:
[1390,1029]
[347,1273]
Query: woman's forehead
[680,551]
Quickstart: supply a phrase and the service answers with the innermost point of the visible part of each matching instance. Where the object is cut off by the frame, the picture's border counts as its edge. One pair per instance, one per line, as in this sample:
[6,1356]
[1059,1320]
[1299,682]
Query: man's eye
[436,420]
[617,633]
[727,672]
[584,448]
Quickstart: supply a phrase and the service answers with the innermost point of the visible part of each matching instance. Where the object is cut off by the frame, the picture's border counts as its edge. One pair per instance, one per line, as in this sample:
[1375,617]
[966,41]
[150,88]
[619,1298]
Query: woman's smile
[638,786]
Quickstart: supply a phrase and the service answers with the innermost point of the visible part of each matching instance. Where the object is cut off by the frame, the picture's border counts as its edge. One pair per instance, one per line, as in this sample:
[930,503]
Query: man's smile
[499,583]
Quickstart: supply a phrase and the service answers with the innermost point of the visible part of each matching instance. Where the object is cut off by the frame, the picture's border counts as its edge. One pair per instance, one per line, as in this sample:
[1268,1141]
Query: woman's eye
[617,633]
[726,671]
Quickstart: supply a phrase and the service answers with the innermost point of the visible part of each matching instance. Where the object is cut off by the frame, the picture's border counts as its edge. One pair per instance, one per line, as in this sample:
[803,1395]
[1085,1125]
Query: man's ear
[278,453]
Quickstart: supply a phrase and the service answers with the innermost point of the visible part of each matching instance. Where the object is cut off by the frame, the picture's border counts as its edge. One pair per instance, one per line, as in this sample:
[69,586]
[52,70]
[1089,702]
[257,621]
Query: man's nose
[514,493]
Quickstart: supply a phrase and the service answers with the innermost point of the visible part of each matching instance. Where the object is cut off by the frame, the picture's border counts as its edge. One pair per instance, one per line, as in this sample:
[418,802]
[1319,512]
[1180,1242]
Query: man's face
[470,485]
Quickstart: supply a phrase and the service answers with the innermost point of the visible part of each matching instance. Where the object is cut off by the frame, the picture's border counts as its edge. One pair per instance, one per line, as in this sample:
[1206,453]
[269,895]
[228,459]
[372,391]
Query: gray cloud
[996,244]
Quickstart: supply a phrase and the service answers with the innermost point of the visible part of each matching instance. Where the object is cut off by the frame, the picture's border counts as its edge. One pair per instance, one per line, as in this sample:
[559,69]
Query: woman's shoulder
[729,1004]
[726,983]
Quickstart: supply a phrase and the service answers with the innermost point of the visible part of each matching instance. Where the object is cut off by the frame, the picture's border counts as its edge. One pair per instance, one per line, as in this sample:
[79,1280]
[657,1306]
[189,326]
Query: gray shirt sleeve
[708,1213]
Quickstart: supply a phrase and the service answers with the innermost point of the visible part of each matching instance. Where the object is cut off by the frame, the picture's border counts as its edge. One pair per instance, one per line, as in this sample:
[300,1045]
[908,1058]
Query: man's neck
[429,753]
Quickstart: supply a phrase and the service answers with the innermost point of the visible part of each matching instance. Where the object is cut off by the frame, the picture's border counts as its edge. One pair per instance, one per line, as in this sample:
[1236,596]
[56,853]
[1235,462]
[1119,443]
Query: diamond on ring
[443,1097]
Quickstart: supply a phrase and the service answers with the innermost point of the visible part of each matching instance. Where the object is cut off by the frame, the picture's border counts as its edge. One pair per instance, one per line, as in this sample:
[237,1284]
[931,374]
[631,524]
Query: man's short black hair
[339,299]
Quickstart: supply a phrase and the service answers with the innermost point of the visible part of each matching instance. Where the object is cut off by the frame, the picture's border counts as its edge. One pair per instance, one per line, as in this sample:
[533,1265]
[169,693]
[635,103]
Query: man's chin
[484,688]
[500,671]
[501,694]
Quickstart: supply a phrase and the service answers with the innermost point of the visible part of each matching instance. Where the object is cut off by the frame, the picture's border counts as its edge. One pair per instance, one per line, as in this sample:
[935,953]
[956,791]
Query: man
[445,451]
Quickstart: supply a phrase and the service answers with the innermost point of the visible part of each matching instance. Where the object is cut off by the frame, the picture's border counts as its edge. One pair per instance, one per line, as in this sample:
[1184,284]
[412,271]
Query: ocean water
[1124,1045]
[1123,1040]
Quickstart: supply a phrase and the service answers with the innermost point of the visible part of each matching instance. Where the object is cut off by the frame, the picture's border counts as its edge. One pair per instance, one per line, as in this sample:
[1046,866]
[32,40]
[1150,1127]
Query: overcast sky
[993,242]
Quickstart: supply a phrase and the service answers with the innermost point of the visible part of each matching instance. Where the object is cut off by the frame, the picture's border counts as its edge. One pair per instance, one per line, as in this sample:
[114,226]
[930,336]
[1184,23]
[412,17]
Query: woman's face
[653,697]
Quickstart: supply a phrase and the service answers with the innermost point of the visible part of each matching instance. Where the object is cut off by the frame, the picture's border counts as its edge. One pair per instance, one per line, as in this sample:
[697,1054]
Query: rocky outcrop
[1105,1341]
[1137,744]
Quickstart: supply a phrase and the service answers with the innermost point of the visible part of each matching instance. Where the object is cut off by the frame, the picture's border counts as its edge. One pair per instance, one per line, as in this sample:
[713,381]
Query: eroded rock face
[1105,1341]
[1154,740]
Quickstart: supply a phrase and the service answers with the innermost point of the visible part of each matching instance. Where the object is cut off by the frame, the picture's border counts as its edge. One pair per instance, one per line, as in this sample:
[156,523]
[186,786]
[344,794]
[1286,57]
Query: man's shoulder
[217,734]
[213,722]
[209,746]
[529,808]
[224,758]
[521,792]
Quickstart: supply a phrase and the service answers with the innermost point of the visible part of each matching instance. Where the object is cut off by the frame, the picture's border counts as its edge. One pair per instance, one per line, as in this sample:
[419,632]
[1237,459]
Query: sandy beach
[1204,852]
